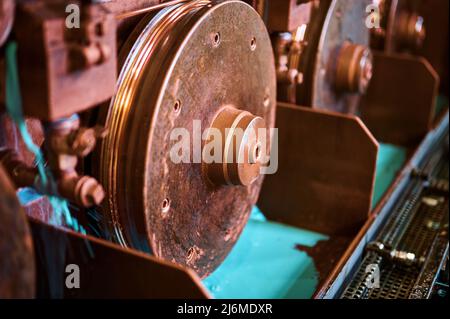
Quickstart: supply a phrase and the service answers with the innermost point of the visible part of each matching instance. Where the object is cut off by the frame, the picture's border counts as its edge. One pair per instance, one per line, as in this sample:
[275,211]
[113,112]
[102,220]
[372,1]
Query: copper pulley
[331,56]
[199,64]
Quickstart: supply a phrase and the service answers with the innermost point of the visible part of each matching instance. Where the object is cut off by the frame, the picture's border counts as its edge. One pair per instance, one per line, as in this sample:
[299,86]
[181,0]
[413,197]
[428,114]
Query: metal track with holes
[413,242]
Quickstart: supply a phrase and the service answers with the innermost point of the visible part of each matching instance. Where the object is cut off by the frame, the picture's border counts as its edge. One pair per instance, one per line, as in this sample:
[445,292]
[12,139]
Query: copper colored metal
[241,146]
[288,50]
[106,270]
[17,268]
[288,15]
[64,70]
[332,25]
[65,143]
[410,31]
[400,102]
[21,174]
[147,9]
[81,190]
[10,137]
[6,19]
[323,183]
[354,68]
[402,28]
[338,28]
[154,204]
[87,44]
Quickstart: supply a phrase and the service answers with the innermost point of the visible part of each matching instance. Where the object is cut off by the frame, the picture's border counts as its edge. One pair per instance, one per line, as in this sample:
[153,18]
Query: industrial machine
[224,149]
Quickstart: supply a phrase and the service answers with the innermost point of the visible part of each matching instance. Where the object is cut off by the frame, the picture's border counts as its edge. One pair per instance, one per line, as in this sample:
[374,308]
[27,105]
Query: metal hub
[335,62]
[241,148]
[354,68]
[410,31]
[402,28]
[200,64]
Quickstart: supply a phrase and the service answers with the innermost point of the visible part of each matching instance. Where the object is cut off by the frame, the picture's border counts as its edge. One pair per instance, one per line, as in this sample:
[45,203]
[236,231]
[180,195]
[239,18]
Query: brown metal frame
[106,270]
[326,173]
[367,225]
[399,105]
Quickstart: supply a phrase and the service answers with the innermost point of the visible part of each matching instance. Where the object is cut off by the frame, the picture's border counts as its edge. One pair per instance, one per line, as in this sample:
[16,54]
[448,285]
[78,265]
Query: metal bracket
[106,270]
[327,164]
[400,103]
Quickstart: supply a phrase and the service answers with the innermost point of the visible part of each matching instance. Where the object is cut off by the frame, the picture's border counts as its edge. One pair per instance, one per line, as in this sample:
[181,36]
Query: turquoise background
[265,262]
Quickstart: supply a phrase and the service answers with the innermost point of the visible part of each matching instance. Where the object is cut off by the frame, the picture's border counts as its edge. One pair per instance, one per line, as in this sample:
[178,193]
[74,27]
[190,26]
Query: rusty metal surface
[17,269]
[287,15]
[11,138]
[331,27]
[394,39]
[57,71]
[399,105]
[106,270]
[153,203]
[344,22]
[323,183]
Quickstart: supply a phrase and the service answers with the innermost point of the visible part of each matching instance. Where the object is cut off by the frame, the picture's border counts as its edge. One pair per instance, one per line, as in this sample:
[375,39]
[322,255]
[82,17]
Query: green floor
[265,262]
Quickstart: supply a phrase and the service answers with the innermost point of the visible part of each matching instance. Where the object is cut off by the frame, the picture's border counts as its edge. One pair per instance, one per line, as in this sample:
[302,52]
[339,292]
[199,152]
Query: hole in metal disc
[216,39]
[266,101]
[165,206]
[190,254]
[253,44]
[257,152]
[177,107]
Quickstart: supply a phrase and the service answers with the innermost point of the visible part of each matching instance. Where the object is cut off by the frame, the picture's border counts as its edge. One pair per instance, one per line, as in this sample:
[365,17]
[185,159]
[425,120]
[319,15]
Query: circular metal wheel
[200,61]
[17,269]
[336,27]
[402,28]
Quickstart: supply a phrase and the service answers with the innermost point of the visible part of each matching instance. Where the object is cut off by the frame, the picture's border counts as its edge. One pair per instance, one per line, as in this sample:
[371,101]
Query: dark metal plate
[17,269]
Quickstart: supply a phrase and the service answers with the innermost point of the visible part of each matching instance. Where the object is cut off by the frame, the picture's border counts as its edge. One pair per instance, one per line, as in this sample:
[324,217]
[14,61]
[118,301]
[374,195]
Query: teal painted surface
[391,160]
[266,264]
[441,105]
[27,196]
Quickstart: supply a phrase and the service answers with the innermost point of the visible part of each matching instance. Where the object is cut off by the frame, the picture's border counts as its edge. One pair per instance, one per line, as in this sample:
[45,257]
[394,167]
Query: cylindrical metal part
[354,68]
[240,147]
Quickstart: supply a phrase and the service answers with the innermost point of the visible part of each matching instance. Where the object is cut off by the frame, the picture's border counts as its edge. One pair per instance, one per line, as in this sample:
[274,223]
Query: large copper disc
[335,23]
[189,62]
[399,16]
[17,268]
